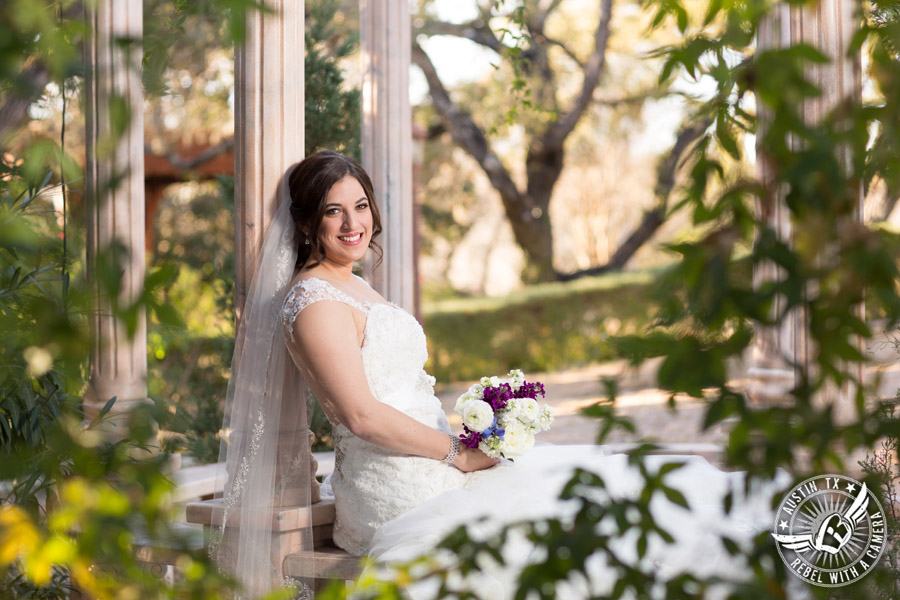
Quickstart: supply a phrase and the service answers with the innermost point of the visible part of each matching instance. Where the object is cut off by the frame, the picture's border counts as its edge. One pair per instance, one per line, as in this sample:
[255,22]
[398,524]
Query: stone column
[268,131]
[114,174]
[828,25]
[268,126]
[387,142]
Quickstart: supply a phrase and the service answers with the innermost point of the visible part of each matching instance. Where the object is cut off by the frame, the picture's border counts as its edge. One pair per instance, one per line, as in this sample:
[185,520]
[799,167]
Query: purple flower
[530,390]
[497,396]
[471,438]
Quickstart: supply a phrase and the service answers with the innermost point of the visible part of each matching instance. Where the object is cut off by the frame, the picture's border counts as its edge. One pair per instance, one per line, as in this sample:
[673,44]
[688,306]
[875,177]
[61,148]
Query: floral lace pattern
[373,485]
[308,291]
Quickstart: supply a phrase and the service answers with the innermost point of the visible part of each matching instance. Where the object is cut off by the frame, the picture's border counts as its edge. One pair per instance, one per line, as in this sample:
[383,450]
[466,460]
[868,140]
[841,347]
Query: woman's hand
[473,459]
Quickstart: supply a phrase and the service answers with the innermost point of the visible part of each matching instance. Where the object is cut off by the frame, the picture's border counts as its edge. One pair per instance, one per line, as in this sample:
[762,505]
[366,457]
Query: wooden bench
[288,525]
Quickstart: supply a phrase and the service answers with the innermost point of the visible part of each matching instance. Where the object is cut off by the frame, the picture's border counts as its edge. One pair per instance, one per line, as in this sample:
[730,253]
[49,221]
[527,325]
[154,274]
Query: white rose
[545,418]
[462,400]
[477,415]
[529,441]
[476,389]
[529,410]
[517,440]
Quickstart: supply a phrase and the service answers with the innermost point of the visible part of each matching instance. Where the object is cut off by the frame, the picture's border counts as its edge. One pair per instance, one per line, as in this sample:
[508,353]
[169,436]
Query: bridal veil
[265,458]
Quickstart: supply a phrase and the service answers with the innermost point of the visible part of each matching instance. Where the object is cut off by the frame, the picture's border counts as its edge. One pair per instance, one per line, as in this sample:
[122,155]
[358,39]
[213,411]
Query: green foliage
[168,23]
[332,110]
[74,503]
[39,314]
[102,499]
[33,35]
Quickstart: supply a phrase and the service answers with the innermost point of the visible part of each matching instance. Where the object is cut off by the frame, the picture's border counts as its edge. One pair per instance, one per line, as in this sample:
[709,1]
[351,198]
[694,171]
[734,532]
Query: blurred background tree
[553,127]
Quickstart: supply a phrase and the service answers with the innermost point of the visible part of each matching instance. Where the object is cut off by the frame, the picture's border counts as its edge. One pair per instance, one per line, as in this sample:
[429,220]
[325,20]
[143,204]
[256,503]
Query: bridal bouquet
[501,415]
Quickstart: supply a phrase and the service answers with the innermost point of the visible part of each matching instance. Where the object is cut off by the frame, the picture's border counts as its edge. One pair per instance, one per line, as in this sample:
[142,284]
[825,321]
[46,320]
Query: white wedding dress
[394,506]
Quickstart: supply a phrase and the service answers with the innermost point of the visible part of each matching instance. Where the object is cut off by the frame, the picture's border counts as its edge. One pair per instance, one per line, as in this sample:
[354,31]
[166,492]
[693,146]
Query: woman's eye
[332,211]
[362,206]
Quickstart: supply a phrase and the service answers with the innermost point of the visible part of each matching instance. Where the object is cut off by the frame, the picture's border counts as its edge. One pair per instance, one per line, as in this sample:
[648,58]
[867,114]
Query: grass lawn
[539,328]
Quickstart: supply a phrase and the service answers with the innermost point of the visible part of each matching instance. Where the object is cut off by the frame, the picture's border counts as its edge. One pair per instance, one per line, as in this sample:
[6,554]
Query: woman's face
[347,225]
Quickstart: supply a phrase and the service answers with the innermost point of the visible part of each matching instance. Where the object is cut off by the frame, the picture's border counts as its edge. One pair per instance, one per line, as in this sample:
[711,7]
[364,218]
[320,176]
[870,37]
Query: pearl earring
[306,242]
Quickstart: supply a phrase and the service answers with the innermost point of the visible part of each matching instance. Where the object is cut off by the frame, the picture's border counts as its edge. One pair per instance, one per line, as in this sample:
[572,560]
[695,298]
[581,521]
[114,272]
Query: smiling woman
[334,212]
[347,226]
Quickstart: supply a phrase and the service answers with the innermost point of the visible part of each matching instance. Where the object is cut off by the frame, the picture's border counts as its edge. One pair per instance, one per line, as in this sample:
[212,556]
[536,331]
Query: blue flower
[493,429]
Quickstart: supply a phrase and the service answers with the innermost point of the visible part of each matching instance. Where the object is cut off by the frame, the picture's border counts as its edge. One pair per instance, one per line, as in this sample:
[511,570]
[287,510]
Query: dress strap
[309,291]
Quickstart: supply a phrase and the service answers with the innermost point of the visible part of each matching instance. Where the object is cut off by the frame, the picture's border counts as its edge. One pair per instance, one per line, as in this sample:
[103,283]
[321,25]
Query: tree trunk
[528,211]
[653,219]
[14,108]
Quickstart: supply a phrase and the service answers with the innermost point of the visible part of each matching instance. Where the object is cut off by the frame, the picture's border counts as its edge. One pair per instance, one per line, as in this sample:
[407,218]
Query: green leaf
[103,412]
[676,497]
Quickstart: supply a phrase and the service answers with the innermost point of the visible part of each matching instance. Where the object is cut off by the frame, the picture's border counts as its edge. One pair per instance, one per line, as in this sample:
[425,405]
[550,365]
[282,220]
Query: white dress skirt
[395,507]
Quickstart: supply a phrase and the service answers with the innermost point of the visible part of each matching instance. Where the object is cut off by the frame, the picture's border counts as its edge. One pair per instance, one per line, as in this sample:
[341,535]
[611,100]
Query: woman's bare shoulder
[315,298]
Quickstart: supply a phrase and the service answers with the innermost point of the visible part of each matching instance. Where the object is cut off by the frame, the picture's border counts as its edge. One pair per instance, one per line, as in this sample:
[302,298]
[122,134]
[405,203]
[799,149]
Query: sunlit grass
[541,327]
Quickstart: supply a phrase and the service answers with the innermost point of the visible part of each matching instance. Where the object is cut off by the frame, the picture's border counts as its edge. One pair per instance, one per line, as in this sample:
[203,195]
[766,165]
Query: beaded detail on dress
[373,485]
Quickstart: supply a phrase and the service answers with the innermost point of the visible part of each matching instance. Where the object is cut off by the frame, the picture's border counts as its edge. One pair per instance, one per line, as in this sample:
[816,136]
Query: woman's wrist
[453,453]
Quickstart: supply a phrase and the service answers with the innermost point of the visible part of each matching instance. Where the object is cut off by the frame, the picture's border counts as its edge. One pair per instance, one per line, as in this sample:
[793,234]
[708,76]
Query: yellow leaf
[77,492]
[84,579]
[112,502]
[18,535]
[55,551]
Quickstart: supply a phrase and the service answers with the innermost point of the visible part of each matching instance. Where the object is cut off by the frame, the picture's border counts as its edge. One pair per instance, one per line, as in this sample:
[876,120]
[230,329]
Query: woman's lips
[351,240]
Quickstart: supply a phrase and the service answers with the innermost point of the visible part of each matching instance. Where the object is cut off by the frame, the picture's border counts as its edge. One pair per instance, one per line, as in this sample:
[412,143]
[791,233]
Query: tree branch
[556,134]
[543,13]
[565,49]
[477,31]
[463,129]
[653,218]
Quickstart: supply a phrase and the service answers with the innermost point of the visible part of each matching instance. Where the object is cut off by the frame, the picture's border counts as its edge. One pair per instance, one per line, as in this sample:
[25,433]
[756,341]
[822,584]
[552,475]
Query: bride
[401,479]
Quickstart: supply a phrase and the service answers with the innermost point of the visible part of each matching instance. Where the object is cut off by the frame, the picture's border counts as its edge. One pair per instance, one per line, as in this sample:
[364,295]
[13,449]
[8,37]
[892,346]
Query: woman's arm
[326,348]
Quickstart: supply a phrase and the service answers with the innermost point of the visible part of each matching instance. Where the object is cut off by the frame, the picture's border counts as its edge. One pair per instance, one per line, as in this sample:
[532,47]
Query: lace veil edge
[265,461]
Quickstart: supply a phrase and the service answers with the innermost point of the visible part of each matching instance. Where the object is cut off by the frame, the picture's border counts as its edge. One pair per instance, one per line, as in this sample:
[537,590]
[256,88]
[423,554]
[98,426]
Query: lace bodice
[373,485]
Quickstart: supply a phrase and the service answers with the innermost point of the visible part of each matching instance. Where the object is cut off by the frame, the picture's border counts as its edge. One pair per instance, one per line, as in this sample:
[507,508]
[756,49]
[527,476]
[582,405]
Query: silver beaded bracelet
[454,450]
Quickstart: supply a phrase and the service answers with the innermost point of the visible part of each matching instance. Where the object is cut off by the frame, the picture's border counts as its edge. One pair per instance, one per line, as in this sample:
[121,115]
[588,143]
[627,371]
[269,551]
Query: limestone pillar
[114,174]
[387,142]
[268,132]
[268,126]
[828,25]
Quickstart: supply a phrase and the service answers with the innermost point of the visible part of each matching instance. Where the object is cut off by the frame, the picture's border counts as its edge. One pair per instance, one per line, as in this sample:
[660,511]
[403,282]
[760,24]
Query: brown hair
[309,183]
